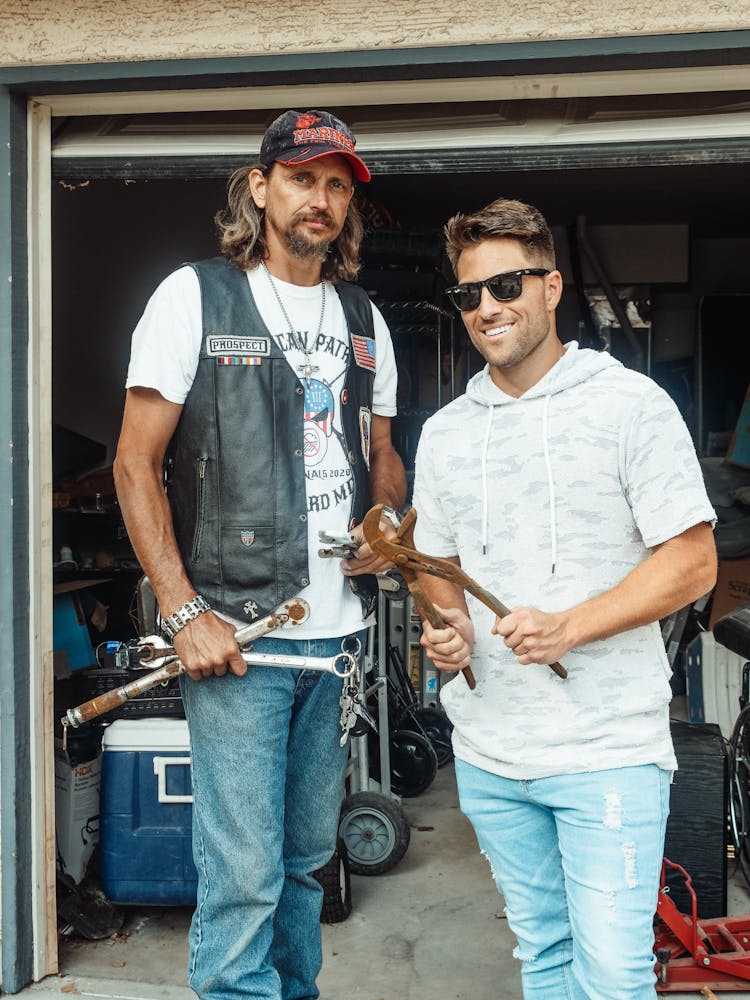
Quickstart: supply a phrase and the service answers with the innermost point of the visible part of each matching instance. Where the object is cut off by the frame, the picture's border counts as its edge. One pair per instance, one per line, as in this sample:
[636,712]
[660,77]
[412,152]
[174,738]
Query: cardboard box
[76,811]
[732,587]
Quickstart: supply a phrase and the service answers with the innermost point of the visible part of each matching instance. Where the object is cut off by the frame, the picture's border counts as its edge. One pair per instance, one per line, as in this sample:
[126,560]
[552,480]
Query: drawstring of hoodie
[485,498]
[551,484]
[550,480]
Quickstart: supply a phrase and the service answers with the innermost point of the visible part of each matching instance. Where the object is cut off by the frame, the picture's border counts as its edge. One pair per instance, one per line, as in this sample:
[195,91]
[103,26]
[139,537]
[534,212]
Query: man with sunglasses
[568,486]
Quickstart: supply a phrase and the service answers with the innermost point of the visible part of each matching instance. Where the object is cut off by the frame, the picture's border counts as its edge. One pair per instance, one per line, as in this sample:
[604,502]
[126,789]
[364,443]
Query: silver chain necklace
[308,367]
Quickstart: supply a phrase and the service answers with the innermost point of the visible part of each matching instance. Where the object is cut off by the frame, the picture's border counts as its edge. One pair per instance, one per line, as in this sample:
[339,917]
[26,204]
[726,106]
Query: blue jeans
[578,859]
[268,778]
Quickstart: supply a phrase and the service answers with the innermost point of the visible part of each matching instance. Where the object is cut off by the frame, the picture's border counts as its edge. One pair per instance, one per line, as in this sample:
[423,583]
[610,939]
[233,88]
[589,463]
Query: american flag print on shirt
[364,351]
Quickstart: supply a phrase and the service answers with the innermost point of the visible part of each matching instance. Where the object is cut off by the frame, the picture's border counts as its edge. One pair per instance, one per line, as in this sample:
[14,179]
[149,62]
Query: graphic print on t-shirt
[330,483]
[319,413]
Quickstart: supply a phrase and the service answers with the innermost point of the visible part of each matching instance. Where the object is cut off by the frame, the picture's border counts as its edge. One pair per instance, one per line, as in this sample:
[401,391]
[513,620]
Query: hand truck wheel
[437,728]
[375,831]
[413,763]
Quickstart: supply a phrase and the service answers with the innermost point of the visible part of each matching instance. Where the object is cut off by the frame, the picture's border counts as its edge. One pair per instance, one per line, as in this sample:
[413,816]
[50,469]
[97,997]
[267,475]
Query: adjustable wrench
[288,615]
[400,550]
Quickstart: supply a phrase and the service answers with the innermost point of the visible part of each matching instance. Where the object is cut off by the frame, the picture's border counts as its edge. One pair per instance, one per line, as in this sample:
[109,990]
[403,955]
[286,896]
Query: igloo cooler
[147,813]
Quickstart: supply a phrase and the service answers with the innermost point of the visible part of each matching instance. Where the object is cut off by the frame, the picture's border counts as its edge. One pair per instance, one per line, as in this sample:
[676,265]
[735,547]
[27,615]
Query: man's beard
[303,249]
[299,245]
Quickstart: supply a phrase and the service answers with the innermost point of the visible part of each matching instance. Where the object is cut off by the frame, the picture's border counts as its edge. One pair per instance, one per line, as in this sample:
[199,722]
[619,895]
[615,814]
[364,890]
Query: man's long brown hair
[241,228]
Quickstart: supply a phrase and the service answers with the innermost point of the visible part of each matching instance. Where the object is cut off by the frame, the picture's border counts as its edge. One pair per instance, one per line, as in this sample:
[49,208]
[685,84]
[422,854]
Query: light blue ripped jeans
[578,859]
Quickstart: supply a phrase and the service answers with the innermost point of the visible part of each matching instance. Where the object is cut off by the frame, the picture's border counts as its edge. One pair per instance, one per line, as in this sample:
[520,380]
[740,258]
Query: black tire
[413,763]
[375,832]
[739,790]
[336,879]
[437,728]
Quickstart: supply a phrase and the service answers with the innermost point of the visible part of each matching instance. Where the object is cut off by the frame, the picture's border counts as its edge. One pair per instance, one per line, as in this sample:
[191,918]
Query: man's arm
[448,648]
[679,571]
[387,486]
[205,645]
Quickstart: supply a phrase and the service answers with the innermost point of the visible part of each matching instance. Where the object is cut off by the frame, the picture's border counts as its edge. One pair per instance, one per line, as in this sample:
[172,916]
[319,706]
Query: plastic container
[147,814]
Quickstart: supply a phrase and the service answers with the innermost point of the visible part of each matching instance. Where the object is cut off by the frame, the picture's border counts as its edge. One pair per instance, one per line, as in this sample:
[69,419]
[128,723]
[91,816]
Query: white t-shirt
[164,356]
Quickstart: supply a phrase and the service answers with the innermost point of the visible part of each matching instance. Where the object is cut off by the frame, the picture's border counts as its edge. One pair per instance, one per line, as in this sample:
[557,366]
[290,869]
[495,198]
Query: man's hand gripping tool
[155,652]
[409,562]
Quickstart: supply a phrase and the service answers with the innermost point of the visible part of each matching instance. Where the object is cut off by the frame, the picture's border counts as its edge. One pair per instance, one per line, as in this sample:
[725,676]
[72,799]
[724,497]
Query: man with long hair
[268,383]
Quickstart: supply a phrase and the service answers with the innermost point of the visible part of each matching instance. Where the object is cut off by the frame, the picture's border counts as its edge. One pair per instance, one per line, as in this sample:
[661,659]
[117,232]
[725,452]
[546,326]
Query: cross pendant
[308,367]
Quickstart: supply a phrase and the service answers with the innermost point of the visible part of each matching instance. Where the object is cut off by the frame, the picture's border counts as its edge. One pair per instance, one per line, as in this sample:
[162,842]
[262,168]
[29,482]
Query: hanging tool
[157,653]
[400,550]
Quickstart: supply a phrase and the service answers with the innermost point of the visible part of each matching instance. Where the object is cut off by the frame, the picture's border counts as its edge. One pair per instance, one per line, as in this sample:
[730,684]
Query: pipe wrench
[409,562]
[157,653]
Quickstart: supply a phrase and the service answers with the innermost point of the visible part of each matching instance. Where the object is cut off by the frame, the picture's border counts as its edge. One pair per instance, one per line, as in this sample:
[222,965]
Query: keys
[355,718]
[348,715]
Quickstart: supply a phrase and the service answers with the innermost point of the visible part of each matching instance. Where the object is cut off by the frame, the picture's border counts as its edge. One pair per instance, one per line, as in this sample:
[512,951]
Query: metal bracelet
[187,612]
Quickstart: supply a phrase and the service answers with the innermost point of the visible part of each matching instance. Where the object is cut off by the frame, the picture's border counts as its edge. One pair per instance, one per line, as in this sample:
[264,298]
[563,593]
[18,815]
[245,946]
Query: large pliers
[409,562]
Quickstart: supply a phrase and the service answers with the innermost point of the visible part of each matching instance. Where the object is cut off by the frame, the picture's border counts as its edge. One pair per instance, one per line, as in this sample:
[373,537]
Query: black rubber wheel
[375,832]
[393,587]
[437,728]
[336,879]
[739,790]
[413,763]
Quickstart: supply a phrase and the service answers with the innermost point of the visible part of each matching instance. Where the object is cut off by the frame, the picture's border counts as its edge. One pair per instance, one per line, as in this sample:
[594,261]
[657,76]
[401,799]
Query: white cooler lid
[147,734]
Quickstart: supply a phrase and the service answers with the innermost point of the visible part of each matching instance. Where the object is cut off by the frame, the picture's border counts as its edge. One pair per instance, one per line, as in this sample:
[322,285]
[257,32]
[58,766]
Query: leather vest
[236,469]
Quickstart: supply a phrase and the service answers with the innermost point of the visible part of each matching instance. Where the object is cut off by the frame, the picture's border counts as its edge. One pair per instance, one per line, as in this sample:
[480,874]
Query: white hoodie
[548,500]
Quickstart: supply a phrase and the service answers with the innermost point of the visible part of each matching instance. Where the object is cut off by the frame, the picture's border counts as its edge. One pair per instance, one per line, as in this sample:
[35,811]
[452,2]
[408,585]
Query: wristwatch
[392,515]
[187,612]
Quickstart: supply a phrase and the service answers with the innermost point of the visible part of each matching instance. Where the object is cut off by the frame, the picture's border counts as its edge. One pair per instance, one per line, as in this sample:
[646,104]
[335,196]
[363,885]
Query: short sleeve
[662,475]
[386,376]
[167,340]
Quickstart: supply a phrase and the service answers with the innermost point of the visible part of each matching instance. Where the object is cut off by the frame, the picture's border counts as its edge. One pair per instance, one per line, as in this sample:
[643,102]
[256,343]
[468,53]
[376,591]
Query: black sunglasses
[504,287]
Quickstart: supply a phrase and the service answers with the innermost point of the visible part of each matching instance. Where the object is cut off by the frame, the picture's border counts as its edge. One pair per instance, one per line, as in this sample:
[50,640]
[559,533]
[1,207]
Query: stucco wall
[70,31]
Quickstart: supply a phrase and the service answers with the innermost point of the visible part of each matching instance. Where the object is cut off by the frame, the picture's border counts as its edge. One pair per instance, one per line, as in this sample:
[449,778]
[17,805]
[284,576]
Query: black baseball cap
[301,136]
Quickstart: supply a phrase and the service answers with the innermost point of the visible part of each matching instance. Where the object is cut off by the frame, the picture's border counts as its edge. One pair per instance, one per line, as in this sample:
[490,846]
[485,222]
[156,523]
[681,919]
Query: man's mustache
[316,217]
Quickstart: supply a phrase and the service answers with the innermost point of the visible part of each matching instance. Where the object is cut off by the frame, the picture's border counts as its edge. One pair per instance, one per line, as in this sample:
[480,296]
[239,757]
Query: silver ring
[350,662]
[356,649]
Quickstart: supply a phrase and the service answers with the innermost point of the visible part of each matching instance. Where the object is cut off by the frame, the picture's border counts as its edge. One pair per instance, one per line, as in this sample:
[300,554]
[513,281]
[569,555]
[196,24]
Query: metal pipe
[612,297]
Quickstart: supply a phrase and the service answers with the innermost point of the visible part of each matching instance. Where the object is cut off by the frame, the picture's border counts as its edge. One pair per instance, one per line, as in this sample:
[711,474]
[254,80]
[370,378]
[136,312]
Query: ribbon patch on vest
[365,419]
[247,350]
[230,359]
[364,351]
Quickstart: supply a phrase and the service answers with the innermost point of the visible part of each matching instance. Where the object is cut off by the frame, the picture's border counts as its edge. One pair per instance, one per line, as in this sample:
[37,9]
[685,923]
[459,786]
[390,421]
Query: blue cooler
[146,813]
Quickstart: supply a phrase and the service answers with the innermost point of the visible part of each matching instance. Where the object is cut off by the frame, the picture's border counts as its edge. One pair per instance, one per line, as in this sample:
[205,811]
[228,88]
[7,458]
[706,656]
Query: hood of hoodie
[575,366]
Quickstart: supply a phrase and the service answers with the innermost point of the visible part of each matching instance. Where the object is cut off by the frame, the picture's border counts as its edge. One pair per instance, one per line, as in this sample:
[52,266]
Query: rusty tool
[287,615]
[401,552]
